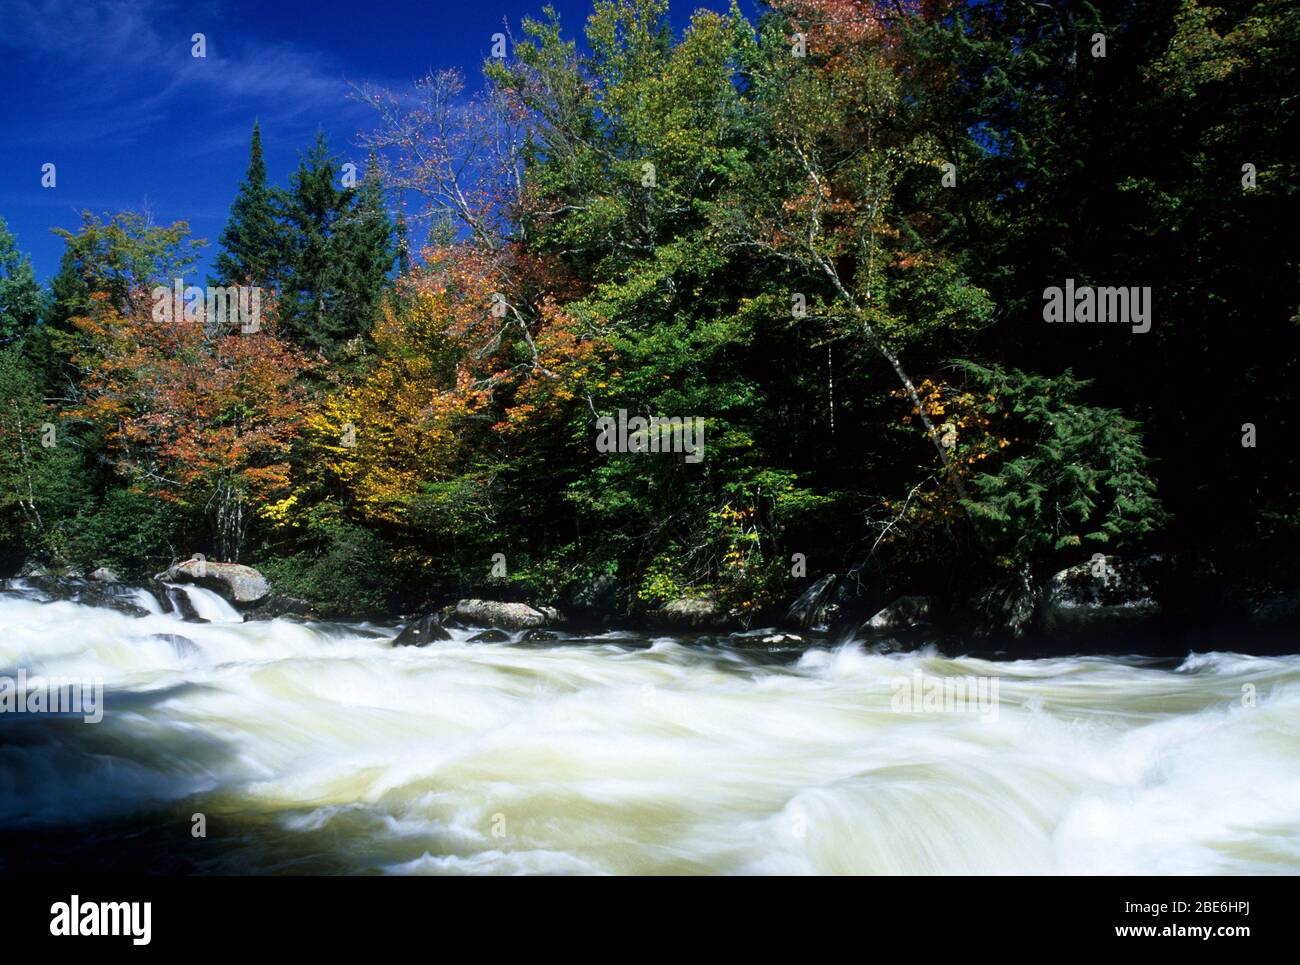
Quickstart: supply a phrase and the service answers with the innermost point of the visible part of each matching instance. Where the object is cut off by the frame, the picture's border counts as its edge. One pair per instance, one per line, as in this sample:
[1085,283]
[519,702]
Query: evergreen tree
[362,254]
[309,210]
[340,256]
[69,292]
[20,295]
[252,248]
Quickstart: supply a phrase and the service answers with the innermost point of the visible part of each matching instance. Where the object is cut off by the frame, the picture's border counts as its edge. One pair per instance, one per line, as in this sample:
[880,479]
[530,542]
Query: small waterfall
[208,605]
[146,600]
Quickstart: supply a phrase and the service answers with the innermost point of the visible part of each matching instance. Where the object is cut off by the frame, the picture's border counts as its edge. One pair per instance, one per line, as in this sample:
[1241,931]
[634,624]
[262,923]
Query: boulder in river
[1006,608]
[276,606]
[814,606]
[903,613]
[692,613]
[491,636]
[421,632]
[241,585]
[838,601]
[1105,593]
[602,599]
[104,575]
[506,616]
[47,589]
[769,639]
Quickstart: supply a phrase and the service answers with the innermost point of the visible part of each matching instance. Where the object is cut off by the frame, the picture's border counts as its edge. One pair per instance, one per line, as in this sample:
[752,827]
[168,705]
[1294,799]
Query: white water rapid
[322,747]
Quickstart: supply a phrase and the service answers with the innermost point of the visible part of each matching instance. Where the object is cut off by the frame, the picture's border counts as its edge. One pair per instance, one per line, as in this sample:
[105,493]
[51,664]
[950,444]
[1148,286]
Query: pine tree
[362,254]
[252,247]
[341,254]
[309,209]
[69,292]
[20,295]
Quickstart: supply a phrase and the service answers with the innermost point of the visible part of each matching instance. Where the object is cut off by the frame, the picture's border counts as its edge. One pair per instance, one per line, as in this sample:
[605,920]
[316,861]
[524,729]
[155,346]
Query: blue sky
[107,90]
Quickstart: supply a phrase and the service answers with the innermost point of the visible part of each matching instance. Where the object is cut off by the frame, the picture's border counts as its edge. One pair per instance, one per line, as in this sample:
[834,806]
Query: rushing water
[321,748]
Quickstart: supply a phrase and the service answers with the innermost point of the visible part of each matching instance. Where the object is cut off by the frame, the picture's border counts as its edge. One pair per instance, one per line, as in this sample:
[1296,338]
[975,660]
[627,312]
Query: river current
[278,746]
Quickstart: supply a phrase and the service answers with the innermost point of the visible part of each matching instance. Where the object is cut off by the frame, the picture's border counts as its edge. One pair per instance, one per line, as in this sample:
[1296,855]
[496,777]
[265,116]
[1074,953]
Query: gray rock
[104,575]
[601,599]
[505,616]
[275,606]
[888,645]
[693,613]
[1096,595]
[421,632]
[813,607]
[114,596]
[539,636]
[241,585]
[767,639]
[180,605]
[491,636]
[1007,608]
[906,611]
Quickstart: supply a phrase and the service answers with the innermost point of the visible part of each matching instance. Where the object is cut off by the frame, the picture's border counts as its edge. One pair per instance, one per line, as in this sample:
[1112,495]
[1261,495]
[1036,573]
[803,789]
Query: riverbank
[1154,605]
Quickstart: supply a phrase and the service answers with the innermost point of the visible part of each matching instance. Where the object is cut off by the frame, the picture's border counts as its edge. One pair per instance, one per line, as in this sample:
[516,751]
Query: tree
[21,301]
[117,262]
[22,457]
[1191,189]
[42,484]
[841,221]
[362,250]
[253,246]
[635,155]
[309,209]
[462,155]
[339,253]
[122,258]
[199,414]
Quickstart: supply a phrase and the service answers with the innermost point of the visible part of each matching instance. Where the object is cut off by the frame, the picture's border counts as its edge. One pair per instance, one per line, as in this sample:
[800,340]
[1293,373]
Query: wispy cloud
[111,70]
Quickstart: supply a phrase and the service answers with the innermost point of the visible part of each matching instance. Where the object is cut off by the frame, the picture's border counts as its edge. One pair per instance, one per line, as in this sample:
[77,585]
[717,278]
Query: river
[322,748]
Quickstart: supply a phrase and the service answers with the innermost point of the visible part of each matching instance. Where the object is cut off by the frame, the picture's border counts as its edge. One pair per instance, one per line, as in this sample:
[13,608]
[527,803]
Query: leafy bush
[352,574]
[129,531]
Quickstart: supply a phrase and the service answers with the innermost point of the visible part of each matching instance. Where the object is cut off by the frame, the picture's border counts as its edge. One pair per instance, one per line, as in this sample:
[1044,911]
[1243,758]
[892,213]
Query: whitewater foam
[611,756]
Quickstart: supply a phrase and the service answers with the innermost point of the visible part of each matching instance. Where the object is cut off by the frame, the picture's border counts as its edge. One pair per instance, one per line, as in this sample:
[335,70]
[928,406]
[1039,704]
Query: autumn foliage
[198,414]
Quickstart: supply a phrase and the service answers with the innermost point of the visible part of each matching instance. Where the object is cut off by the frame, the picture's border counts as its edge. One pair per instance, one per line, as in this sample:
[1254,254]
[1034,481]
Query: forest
[948,295]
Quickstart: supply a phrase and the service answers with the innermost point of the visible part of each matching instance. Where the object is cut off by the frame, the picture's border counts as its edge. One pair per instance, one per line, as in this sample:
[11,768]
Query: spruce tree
[252,247]
[20,295]
[309,210]
[339,256]
[362,254]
